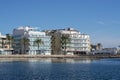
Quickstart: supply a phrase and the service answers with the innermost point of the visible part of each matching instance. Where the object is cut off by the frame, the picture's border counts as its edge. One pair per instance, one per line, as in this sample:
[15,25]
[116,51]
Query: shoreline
[60,56]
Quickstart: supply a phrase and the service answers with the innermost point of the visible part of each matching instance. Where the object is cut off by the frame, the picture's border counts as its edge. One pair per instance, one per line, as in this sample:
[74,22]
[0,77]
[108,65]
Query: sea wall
[60,56]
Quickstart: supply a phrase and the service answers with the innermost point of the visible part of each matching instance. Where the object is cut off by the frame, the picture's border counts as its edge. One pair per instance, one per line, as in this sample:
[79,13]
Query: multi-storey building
[5,47]
[79,43]
[32,34]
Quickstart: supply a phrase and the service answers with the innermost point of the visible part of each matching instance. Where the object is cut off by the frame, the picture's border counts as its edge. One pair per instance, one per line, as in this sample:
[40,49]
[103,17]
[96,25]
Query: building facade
[106,51]
[5,47]
[32,34]
[79,43]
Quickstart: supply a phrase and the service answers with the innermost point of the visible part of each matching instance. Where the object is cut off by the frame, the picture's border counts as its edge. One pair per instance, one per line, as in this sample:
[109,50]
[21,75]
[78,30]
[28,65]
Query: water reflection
[50,60]
[79,60]
[69,60]
[59,69]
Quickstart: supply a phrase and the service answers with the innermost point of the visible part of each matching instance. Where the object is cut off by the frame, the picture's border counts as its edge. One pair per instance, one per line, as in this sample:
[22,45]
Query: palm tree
[10,40]
[38,42]
[25,42]
[65,39]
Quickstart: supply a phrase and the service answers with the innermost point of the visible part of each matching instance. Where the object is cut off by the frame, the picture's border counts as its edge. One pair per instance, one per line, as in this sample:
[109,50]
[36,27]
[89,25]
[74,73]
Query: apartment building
[79,43]
[5,47]
[32,34]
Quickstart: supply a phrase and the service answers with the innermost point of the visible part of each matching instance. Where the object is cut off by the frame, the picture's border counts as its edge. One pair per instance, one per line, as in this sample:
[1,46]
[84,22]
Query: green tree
[10,40]
[25,42]
[65,40]
[38,42]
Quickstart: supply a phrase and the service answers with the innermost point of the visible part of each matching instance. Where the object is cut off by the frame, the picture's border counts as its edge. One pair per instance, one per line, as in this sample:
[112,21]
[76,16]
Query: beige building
[4,45]
[79,43]
[55,41]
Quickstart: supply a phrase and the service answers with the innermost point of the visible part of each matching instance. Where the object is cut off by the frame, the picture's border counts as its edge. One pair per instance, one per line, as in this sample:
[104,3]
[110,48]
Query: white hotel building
[32,34]
[79,43]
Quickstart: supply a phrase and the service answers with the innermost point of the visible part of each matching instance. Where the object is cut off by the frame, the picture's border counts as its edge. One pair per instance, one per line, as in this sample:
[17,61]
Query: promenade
[60,56]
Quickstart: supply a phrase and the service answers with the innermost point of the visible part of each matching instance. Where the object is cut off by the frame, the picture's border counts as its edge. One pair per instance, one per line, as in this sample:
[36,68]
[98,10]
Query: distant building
[5,48]
[106,51]
[32,34]
[98,46]
[79,43]
[118,49]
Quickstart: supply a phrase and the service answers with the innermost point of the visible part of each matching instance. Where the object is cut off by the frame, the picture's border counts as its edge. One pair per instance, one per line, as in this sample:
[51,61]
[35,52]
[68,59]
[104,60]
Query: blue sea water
[60,69]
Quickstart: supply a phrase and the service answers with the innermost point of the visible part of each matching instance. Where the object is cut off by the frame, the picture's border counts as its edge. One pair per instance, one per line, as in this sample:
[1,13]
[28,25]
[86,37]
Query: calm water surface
[60,69]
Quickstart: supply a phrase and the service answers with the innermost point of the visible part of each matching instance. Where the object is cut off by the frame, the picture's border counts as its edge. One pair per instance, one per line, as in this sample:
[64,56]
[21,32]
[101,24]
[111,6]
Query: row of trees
[65,39]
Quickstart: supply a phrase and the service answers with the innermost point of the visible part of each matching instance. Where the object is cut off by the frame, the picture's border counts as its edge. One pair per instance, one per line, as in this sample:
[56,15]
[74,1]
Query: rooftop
[27,28]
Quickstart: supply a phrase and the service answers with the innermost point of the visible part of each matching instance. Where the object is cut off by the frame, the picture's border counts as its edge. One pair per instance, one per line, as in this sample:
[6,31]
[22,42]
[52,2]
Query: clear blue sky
[98,18]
